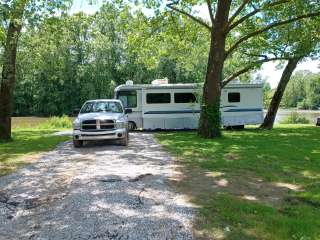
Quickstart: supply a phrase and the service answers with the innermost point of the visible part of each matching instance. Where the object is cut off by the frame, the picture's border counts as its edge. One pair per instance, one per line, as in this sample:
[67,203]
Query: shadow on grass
[251,183]
[26,142]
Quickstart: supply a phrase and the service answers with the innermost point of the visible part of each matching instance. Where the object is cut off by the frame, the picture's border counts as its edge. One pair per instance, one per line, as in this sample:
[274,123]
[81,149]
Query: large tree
[13,13]
[15,18]
[233,24]
[297,45]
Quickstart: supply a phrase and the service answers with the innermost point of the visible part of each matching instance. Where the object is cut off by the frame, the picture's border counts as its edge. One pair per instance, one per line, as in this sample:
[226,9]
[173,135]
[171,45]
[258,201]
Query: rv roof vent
[160,81]
[129,82]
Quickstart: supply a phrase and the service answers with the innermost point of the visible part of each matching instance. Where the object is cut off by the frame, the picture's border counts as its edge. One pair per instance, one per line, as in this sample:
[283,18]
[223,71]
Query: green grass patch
[295,118]
[25,144]
[288,155]
[56,123]
[42,122]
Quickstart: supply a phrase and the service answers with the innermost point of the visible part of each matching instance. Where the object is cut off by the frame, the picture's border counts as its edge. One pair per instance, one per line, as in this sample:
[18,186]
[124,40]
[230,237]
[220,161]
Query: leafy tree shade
[233,25]
[300,45]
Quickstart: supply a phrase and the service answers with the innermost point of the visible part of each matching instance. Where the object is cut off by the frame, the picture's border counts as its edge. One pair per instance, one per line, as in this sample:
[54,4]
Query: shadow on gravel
[101,191]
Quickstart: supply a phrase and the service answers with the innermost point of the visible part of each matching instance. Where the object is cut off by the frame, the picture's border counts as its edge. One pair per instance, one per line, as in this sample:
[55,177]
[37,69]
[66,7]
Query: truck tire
[124,141]
[77,143]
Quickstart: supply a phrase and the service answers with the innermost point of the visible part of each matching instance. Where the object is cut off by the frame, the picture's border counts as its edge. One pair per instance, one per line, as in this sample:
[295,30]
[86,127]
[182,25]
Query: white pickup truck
[99,120]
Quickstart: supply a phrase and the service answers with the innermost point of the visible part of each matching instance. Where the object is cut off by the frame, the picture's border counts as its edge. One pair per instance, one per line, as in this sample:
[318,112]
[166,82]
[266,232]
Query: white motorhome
[175,106]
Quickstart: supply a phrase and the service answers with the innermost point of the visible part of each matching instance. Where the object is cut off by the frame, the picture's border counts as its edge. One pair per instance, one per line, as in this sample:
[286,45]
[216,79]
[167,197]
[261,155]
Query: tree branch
[241,20]
[256,55]
[210,11]
[170,5]
[238,11]
[248,68]
[273,25]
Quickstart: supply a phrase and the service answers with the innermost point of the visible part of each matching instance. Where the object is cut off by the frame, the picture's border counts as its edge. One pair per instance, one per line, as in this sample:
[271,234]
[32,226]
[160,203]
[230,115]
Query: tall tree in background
[227,20]
[65,60]
[303,91]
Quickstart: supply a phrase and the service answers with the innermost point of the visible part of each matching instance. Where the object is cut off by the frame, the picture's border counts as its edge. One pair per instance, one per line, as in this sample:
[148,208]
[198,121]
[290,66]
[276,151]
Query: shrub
[57,122]
[295,118]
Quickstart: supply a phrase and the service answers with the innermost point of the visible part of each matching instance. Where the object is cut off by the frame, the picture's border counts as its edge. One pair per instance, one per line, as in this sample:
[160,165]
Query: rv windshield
[101,106]
[128,98]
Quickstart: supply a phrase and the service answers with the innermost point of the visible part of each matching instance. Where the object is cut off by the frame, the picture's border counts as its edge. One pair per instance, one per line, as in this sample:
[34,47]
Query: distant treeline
[67,60]
[302,92]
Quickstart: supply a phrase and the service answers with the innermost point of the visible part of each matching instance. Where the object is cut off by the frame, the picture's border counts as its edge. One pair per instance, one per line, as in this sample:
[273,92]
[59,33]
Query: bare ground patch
[8,167]
[201,186]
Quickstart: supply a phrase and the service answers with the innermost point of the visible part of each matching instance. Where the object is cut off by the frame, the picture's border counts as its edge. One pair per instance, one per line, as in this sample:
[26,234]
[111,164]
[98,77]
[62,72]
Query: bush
[57,122]
[295,118]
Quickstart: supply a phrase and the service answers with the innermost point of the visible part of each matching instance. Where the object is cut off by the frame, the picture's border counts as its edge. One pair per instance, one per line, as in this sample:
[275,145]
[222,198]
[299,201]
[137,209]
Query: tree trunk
[8,77]
[210,122]
[276,99]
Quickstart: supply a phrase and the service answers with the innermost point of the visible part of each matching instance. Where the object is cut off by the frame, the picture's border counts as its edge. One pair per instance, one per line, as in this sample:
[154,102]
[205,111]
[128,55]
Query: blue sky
[83,5]
[268,70]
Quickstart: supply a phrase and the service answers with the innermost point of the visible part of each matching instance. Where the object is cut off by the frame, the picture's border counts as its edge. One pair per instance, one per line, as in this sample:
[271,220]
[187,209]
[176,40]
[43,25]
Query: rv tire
[132,126]
[237,127]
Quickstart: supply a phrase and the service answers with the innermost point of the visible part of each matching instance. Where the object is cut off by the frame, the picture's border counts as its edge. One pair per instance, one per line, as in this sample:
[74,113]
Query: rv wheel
[132,126]
[237,127]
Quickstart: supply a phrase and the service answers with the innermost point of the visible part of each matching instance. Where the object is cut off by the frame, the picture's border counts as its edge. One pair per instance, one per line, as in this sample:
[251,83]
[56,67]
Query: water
[309,114]
[27,122]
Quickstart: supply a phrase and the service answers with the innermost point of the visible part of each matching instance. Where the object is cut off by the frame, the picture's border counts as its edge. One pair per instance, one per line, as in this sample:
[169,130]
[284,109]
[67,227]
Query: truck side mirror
[128,110]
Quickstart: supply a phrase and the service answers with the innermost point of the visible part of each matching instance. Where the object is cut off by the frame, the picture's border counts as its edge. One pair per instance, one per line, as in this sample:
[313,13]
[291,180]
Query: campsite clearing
[251,184]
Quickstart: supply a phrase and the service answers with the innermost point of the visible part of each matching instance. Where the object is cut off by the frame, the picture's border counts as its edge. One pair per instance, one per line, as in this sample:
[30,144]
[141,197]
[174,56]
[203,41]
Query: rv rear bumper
[100,135]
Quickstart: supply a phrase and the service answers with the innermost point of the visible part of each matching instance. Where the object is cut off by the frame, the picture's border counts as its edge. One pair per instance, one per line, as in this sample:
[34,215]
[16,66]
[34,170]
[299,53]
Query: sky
[268,70]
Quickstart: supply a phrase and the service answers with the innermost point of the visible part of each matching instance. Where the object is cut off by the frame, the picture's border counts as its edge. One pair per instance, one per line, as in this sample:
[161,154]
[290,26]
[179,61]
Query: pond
[27,122]
[309,114]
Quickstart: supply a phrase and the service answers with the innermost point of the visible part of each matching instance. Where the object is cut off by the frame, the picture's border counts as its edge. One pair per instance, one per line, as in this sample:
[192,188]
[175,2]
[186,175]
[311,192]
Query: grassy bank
[252,184]
[28,143]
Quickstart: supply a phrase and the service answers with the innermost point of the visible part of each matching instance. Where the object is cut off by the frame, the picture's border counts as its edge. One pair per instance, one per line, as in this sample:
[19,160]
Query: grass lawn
[27,143]
[251,184]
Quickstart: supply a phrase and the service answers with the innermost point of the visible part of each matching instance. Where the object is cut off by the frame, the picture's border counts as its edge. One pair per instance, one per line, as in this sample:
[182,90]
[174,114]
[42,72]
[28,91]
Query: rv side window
[154,98]
[128,98]
[184,98]
[234,97]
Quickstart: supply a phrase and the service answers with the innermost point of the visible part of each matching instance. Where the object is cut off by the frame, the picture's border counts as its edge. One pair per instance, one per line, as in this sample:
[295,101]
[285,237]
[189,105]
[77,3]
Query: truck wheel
[124,141]
[77,143]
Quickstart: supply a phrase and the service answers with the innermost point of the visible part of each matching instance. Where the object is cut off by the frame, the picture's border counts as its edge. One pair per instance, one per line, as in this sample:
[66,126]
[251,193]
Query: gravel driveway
[96,192]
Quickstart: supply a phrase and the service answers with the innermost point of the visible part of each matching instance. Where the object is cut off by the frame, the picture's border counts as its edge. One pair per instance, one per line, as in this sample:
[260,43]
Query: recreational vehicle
[176,106]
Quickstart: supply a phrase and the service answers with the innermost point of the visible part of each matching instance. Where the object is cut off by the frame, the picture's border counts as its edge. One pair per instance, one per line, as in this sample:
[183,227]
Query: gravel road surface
[100,191]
